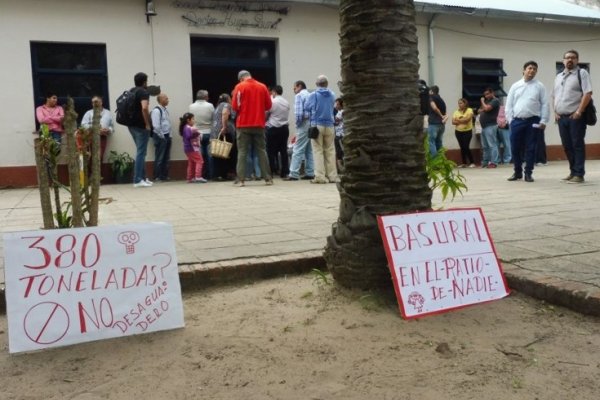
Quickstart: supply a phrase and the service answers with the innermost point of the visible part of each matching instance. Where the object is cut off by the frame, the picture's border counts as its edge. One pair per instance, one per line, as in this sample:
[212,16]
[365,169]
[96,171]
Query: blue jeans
[572,136]
[523,141]
[504,139]
[489,143]
[252,165]
[207,168]
[302,152]
[162,151]
[140,138]
[435,133]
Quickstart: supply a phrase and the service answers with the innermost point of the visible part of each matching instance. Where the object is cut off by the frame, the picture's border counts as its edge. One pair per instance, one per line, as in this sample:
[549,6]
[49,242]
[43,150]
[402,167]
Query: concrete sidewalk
[546,233]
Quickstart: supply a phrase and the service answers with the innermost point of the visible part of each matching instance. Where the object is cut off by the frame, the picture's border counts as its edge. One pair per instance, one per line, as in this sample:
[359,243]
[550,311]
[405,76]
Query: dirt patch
[299,338]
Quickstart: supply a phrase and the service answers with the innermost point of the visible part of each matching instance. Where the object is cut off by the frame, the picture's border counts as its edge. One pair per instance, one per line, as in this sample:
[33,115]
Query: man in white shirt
[161,136]
[527,112]
[203,114]
[106,123]
[278,132]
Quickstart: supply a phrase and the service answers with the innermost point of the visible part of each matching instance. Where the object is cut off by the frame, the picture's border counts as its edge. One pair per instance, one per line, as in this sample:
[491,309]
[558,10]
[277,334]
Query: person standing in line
[572,93]
[161,126]
[51,114]
[223,128]
[463,120]
[321,105]
[191,148]
[203,114]
[436,120]
[503,137]
[106,123]
[251,101]
[527,112]
[488,113]
[140,129]
[302,148]
[278,132]
[339,132]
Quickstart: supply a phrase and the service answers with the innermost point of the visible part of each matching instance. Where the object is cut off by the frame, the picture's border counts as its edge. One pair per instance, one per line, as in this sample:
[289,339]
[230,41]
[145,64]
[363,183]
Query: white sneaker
[142,184]
[200,180]
[149,182]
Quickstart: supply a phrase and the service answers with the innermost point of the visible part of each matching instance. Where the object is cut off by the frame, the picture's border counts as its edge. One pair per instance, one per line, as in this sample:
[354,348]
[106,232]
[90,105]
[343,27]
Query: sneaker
[576,179]
[142,184]
[268,182]
[149,182]
[491,165]
[567,178]
[471,165]
[200,180]
[290,178]
[307,178]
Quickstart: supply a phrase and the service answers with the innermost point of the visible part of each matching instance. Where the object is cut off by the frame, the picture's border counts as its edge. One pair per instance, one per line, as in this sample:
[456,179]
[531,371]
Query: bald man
[161,135]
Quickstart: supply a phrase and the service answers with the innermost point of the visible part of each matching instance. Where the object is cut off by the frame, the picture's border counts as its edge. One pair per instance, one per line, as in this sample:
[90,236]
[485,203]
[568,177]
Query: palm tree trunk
[383,143]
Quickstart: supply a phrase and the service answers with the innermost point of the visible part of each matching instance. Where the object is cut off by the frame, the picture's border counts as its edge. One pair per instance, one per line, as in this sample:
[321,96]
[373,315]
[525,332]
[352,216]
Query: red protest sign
[441,260]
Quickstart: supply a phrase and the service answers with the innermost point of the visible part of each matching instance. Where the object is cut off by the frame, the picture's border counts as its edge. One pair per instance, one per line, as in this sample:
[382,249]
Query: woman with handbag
[224,129]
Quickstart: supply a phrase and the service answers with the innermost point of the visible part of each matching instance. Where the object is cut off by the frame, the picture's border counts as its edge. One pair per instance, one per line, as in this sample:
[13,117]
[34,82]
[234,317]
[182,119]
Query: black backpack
[126,108]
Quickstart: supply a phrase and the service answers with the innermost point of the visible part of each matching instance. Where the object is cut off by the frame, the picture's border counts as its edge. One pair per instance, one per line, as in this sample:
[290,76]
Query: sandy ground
[299,338]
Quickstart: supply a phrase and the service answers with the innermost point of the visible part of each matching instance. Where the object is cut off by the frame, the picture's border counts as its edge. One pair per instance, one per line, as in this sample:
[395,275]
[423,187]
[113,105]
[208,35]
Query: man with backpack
[132,111]
[161,135]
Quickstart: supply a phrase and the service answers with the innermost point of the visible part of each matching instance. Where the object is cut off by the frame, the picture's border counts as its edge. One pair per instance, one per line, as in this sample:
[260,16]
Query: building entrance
[217,61]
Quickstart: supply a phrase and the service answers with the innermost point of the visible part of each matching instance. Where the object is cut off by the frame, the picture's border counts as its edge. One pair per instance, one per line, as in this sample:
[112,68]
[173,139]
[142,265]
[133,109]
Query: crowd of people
[254,119]
[515,133]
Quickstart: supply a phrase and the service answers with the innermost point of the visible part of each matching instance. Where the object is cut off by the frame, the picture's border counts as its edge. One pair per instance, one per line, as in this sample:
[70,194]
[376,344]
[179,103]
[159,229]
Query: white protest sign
[67,286]
[441,260]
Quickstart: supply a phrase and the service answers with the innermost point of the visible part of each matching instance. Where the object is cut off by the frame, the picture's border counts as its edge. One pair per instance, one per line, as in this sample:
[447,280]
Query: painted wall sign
[441,260]
[68,286]
[255,15]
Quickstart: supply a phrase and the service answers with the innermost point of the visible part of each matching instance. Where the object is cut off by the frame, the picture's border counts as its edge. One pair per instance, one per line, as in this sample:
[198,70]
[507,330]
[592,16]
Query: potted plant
[122,166]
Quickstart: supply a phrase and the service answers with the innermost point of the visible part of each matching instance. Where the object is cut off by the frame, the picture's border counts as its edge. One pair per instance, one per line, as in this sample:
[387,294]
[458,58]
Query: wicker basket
[220,148]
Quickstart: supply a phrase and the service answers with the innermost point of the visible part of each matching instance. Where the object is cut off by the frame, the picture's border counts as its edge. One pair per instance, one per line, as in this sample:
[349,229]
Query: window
[69,69]
[478,74]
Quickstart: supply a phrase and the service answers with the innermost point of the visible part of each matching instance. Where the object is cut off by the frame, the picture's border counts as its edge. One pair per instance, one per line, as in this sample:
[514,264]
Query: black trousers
[277,141]
[464,141]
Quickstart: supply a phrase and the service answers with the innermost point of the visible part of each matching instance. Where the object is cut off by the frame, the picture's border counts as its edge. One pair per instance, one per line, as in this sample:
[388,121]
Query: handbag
[313,132]
[589,114]
[220,148]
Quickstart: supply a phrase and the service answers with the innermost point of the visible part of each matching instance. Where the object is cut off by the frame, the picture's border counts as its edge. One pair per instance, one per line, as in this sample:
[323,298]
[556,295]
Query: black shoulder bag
[589,114]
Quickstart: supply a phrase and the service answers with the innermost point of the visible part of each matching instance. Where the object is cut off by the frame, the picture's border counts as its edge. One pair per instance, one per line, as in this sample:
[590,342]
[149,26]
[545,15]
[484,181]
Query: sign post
[69,286]
[441,260]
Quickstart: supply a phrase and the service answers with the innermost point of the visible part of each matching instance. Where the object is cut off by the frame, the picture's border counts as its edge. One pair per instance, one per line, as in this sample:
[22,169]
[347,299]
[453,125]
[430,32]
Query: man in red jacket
[250,101]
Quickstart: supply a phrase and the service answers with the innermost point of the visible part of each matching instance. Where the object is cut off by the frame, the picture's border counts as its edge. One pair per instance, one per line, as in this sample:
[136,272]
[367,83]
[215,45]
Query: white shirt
[106,121]
[279,113]
[203,114]
[527,99]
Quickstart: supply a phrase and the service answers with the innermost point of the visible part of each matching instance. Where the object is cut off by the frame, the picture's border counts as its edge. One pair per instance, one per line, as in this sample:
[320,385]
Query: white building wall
[307,45]
[515,43]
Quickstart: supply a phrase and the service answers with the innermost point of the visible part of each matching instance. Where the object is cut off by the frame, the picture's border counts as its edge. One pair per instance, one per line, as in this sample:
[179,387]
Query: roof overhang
[540,11]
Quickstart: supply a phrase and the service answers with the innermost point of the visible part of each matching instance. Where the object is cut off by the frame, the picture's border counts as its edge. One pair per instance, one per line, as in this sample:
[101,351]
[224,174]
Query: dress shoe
[514,177]
[307,178]
[528,178]
[290,178]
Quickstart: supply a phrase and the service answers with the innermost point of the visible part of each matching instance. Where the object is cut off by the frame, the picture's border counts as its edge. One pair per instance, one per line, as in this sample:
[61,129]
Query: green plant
[320,277]
[121,163]
[443,174]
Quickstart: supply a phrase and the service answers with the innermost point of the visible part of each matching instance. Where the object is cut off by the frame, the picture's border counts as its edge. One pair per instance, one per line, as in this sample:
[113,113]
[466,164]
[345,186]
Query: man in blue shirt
[321,104]
[302,150]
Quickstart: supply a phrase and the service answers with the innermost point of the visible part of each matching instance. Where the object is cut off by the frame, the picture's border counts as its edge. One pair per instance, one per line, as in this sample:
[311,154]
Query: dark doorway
[216,63]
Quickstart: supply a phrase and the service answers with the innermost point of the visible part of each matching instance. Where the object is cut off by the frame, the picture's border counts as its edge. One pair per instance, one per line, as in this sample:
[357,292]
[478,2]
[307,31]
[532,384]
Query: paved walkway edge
[198,276]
